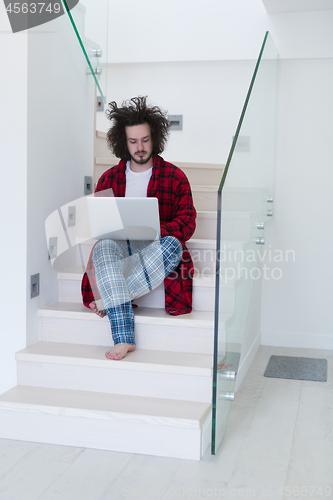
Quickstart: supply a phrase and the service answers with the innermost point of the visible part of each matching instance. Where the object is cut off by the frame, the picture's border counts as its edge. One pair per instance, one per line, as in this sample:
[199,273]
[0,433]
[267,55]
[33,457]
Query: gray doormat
[297,368]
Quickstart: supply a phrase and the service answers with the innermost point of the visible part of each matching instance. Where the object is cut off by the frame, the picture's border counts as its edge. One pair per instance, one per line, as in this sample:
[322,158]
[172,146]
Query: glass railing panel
[244,201]
[89,19]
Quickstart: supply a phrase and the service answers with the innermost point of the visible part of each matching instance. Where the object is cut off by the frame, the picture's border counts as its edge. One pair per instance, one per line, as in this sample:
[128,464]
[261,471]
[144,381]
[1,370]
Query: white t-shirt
[137,182]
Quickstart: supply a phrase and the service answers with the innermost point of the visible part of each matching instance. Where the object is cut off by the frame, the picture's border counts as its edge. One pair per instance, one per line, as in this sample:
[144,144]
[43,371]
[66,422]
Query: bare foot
[119,351]
[98,308]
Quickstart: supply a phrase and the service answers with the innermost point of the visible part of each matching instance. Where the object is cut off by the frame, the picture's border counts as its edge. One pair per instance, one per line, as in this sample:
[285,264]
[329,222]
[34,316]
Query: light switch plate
[176,122]
[100,103]
[87,185]
[53,241]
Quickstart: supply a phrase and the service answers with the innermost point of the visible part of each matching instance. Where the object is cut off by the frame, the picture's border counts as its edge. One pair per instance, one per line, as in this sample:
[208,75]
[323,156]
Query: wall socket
[100,103]
[34,285]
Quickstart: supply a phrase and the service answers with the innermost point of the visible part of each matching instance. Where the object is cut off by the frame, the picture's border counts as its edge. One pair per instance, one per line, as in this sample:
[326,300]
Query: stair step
[211,173]
[195,172]
[116,422]
[235,225]
[203,252]
[203,292]
[101,148]
[143,315]
[154,328]
[206,224]
[204,197]
[147,373]
[248,200]
[138,361]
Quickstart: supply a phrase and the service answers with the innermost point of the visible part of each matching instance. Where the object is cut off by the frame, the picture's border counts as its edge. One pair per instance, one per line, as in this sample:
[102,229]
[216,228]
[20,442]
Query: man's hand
[98,308]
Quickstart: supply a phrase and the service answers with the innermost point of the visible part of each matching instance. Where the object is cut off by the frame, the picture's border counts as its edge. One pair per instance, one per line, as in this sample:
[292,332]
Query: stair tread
[200,243]
[204,243]
[102,160]
[76,273]
[212,214]
[67,402]
[157,316]
[138,360]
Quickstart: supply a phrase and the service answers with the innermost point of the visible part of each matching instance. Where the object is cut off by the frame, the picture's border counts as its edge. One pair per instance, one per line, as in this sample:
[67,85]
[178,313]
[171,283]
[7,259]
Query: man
[119,271]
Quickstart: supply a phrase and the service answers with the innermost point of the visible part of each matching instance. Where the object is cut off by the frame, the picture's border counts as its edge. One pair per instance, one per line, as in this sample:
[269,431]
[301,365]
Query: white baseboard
[298,340]
[247,361]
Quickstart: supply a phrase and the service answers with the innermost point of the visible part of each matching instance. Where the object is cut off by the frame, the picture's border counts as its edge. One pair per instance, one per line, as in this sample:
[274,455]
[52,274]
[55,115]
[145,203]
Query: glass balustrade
[244,205]
[89,20]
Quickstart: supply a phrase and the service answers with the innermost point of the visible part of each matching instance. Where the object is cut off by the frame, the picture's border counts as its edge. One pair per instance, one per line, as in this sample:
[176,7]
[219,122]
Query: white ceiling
[273,6]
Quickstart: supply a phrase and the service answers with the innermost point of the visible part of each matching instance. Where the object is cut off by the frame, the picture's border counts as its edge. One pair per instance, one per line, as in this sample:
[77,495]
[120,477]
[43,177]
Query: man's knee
[105,246]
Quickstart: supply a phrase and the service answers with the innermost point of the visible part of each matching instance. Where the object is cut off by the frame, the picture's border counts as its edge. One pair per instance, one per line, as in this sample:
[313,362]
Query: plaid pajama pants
[126,270]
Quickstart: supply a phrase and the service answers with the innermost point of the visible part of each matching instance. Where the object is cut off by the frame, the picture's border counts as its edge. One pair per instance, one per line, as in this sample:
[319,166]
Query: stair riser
[207,176]
[210,177]
[196,176]
[232,228]
[245,201]
[115,381]
[102,150]
[232,201]
[158,440]
[147,336]
[203,297]
[205,228]
[203,260]
[235,229]
[205,200]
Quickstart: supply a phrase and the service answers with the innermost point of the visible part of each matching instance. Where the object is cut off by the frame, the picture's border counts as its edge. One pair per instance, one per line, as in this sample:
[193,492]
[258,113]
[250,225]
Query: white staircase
[155,401]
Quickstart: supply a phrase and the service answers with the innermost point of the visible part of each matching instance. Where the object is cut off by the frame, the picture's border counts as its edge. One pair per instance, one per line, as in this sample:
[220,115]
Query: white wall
[297,309]
[196,30]
[13,199]
[60,144]
[303,35]
[46,131]
[200,91]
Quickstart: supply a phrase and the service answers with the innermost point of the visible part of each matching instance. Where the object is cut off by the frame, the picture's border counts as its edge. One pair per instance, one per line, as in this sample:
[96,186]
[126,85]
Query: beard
[143,159]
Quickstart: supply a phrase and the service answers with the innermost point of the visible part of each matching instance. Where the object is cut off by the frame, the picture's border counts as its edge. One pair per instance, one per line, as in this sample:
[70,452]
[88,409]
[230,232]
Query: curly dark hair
[135,111]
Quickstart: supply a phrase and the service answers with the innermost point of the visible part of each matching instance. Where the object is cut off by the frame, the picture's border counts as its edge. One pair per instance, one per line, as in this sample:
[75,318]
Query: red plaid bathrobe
[177,218]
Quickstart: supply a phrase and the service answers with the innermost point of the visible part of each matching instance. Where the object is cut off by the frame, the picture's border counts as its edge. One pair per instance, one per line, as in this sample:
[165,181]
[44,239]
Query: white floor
[279,445]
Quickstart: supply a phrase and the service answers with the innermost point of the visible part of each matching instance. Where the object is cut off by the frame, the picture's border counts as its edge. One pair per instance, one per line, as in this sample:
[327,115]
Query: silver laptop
[123,218]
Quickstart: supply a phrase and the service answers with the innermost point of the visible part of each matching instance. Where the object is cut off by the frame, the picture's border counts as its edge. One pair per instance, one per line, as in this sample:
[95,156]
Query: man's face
[139,143]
